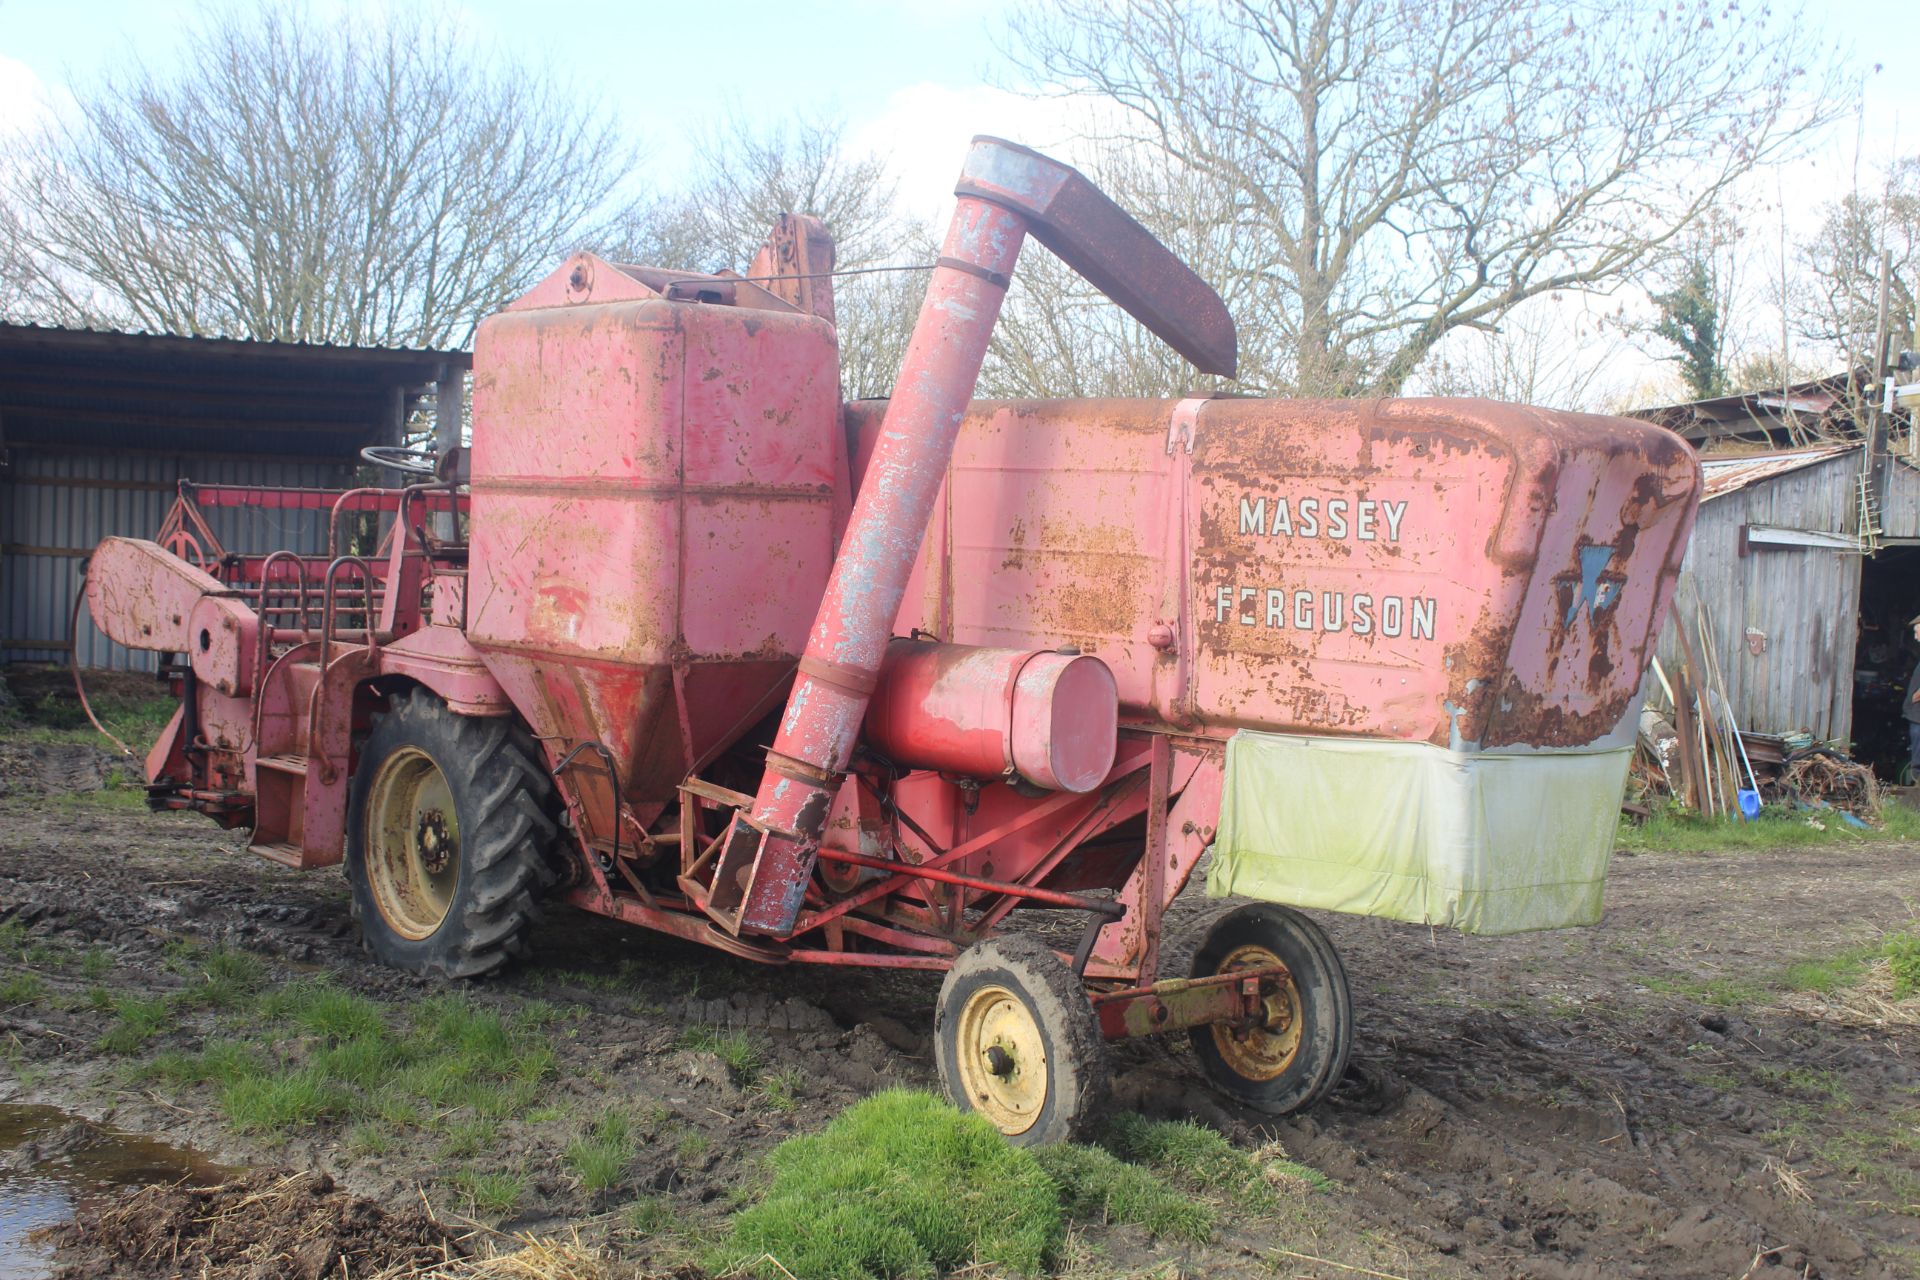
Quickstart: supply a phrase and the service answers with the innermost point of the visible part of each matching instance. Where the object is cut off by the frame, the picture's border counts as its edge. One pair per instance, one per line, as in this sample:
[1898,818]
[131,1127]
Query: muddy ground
[1642,1099]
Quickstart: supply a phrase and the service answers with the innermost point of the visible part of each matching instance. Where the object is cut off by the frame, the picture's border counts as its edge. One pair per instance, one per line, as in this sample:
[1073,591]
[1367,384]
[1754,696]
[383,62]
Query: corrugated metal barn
[1776,563]
[97,430]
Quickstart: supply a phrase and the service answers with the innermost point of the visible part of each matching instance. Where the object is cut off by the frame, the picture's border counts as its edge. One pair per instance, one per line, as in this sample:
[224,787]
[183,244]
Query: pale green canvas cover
[1411,831]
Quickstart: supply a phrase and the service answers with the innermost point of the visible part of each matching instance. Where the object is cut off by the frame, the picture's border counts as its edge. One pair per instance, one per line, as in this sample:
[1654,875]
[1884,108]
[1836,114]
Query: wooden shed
[1774,572]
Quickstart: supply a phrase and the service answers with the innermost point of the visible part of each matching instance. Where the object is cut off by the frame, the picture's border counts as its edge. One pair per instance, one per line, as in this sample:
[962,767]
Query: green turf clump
[273,1104]
[1098,1186]
[1902,951]
[900,1184]
[1194,1156]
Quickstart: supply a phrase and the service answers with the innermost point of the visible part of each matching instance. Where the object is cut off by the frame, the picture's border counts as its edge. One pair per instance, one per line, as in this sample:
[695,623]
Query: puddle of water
[51,1162]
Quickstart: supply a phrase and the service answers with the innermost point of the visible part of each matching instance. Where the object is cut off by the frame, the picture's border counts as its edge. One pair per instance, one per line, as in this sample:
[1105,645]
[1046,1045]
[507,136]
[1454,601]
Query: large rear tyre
[1016,1041]
[1292,1057]
[449,839]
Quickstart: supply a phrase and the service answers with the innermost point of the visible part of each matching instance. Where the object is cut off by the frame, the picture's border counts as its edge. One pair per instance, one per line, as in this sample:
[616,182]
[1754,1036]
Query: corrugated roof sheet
[82,388]
[135,341]
[1726,474]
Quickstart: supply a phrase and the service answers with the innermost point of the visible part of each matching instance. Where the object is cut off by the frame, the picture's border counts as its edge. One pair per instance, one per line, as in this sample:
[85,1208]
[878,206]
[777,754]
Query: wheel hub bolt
[999,1061]
[434,841]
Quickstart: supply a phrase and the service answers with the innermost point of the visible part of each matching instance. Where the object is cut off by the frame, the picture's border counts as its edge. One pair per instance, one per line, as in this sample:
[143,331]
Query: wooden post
[1876,418]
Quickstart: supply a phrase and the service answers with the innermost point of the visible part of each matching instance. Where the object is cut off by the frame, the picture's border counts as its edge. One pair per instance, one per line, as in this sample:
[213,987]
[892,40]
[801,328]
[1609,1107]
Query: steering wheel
[420,462]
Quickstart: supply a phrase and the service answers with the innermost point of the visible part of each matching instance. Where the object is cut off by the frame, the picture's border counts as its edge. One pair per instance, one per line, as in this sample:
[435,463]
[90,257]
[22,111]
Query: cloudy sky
[912,78]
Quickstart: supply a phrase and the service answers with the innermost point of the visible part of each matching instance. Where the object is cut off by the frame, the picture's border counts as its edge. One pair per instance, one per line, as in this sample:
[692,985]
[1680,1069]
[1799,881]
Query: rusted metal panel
[653,498]
[1463,573]
[1736,471]
[142,595]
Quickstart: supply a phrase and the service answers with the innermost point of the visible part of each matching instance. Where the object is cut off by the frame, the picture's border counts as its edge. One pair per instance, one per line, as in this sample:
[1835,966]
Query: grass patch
[134,709]
[599,1157]
[1902,951]
[1837,974]
[1671,829]
[496,1194]
[1826,976]
[1204,1162]
[1825,1086]
[222,1062]
[782,1089]
[465,1138]
[18,989]
[110,796]
[328,1055]
[272,1103]
[650,1216]
[899,1184]
[369,1140]
[322,1009]
[95,964]
[135,1021]
[735,1049]
[221,979]
[1724,993]
[1097,1186]
[903,1185]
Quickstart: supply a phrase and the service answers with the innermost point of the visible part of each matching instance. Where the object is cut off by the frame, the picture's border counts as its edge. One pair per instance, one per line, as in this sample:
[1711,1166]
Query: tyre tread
[1061,1003]
[506,848]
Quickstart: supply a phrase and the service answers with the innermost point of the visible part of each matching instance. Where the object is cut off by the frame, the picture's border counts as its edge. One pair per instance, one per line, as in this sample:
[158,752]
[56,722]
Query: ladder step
[296,765]
[281,851]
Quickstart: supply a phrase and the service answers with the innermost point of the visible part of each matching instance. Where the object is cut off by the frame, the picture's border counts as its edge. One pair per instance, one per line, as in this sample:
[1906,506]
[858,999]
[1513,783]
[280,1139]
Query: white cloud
[925,128]
[24,99]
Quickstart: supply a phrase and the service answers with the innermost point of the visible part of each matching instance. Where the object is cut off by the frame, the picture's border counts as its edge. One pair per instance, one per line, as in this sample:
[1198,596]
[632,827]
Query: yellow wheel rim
[1002,1059]
[1267,1047]
[412,843]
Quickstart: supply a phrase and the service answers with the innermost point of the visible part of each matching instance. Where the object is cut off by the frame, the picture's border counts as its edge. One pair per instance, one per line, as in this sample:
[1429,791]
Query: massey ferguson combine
[687,641]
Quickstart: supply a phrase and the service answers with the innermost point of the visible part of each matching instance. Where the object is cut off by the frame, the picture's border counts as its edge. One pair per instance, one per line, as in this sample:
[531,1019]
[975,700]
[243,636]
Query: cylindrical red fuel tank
[1051,719]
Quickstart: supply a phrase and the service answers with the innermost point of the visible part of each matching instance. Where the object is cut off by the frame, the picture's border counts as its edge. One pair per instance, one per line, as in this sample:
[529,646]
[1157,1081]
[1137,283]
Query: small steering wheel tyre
[1016,1041]
[1294,1056]
[450,839]
[419,462]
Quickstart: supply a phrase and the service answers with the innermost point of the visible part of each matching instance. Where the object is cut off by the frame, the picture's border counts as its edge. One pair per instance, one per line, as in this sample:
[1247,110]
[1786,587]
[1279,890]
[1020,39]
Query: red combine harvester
[687,641]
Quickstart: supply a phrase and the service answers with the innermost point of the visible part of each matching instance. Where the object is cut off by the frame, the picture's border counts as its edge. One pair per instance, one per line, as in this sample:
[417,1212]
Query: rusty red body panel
[653,512]
[1401,569]
[852,684]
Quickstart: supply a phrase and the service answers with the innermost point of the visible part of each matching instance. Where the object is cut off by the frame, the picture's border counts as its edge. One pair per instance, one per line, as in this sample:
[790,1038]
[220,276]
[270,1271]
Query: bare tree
[307,181]
[745,175]
[1535,357]
[15,267]
[1396,170]
[1838,302]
